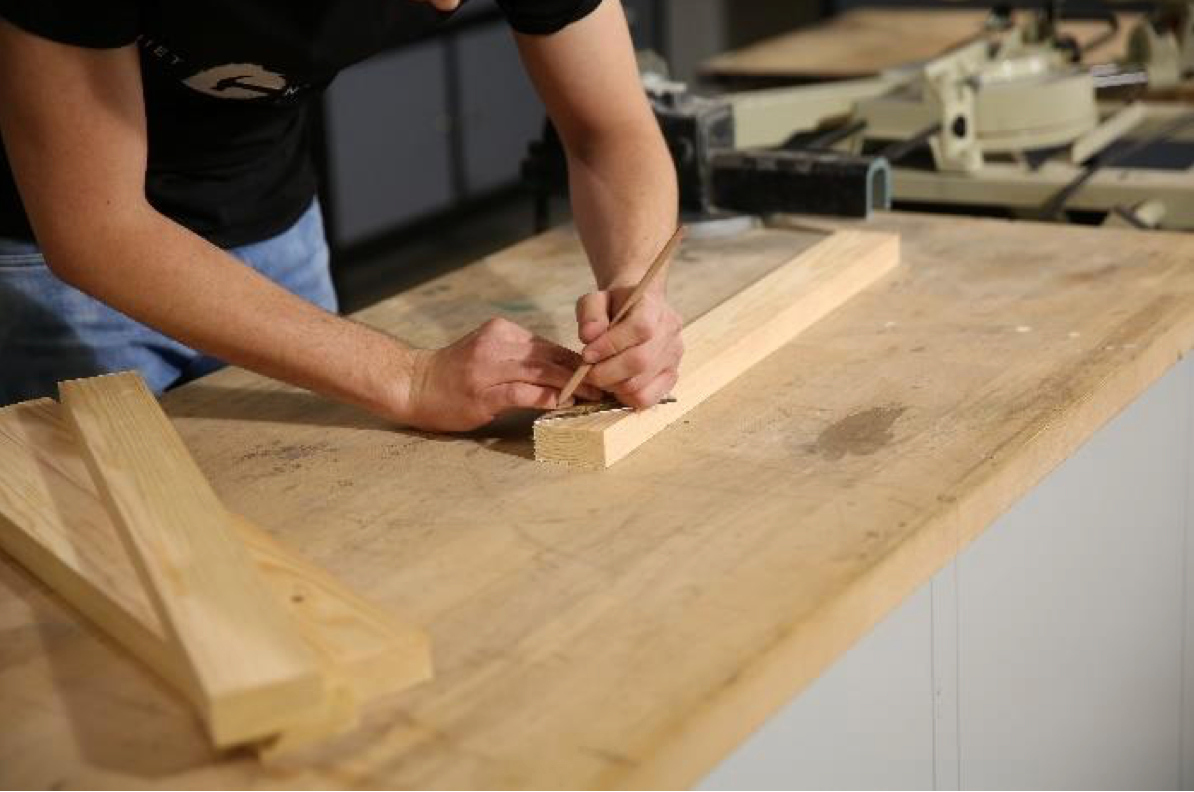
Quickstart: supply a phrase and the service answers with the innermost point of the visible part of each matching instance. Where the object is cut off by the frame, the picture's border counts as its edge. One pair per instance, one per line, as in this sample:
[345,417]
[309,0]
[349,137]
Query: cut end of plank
[263,711]
[574,446]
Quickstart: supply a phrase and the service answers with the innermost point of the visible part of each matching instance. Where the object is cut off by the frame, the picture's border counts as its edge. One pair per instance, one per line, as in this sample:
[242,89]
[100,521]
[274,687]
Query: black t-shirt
[227,87]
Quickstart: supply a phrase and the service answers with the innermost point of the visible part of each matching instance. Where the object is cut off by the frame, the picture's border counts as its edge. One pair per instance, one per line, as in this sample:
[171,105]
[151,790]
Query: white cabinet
[388,150]
[1049,654]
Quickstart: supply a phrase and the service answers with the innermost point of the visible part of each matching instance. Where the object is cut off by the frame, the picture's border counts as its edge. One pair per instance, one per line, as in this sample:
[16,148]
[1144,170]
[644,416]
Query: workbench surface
[865,41]
[629,627]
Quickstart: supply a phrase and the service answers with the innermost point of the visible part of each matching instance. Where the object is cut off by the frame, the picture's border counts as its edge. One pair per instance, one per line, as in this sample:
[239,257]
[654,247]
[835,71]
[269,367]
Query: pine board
[53,522]
[726,342]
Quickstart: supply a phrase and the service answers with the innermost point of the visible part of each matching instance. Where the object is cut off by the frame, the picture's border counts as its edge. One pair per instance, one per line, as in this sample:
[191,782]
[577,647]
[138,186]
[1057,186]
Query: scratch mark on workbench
[610,757]
[860,433]
[288,453]
[1090,276]
[515,306]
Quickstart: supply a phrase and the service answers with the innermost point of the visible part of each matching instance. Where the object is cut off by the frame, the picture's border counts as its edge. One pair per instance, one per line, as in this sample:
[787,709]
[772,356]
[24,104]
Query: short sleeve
[100,24]
[543,17]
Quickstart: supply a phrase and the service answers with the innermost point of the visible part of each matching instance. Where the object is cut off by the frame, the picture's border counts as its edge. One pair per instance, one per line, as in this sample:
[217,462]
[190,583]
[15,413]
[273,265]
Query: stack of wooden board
[101,500]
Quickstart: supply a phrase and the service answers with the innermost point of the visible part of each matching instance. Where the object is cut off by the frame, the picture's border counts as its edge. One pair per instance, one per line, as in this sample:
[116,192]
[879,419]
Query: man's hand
[638,359]
[497,367]
[624,195]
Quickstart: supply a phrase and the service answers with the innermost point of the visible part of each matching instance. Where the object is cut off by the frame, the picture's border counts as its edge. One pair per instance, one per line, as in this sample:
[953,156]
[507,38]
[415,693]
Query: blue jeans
[50,331]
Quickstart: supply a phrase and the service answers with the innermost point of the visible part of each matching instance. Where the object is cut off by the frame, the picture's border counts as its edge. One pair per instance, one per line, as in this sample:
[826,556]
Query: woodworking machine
[1014,121]
[722,182]
[1011,121]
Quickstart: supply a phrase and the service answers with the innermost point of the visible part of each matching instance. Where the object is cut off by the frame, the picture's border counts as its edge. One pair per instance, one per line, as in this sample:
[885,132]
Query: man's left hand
[638,359]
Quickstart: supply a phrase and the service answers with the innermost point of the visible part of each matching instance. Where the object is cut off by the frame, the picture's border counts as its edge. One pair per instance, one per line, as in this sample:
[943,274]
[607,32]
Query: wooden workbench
[630,627]
[865,41]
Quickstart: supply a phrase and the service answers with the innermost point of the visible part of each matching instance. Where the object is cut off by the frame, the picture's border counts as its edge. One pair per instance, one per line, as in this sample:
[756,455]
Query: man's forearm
[162,275]
[624,198]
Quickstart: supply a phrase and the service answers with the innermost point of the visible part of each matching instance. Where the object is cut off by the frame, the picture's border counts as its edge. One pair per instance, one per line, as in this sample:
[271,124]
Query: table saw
[916,546]
[863,42]
[1015,115]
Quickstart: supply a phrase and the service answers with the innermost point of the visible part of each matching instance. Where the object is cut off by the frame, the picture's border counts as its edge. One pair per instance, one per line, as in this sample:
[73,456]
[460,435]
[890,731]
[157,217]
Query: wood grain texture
[865,41]
[726,342]
[628,628]
[253,674]
[53,522]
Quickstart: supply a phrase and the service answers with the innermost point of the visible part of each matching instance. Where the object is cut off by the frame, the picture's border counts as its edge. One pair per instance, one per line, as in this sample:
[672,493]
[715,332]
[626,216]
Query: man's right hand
[497,367]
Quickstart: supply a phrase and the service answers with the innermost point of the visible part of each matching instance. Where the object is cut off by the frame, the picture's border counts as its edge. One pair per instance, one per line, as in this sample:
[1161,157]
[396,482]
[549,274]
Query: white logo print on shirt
[240,81]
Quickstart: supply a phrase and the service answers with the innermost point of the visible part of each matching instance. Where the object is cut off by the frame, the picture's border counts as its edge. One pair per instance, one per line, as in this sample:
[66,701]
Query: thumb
[592,316]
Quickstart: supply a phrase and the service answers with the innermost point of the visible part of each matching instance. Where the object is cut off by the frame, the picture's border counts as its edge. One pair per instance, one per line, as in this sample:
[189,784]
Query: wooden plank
[253,674]
[53,522]
[727,341]
[866,41]
[368,650]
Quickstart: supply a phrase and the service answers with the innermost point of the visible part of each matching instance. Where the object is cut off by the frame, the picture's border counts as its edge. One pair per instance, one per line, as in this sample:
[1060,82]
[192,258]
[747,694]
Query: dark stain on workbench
[860,433]
[1090,276]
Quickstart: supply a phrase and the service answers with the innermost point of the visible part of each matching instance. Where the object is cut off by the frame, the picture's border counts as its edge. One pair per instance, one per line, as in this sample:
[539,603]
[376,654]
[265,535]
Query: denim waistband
[18,247]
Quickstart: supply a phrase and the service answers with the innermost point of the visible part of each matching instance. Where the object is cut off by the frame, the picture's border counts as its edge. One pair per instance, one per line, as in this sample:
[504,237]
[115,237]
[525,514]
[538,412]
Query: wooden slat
[727,341]
[52,521]
[253,673]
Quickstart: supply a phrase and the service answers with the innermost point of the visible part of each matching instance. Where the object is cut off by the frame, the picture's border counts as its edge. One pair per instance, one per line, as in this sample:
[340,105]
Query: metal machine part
[716,176]
[1016,98]
[592,408]
[694,127]
[1006,122]
[806,182]
[720,184]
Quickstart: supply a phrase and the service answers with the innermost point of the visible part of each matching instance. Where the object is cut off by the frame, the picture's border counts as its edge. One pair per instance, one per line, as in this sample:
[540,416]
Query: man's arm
[73,124]
[624,197]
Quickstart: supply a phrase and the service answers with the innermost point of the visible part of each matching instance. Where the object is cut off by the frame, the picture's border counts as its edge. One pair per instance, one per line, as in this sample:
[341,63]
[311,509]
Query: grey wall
[1057,651]
[419,130]
[699,29]
[430,127]
[500,112]
[388,145]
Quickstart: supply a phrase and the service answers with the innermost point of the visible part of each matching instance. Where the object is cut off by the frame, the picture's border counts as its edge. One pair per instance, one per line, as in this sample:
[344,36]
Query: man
[154,149]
